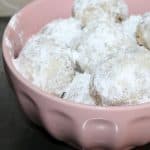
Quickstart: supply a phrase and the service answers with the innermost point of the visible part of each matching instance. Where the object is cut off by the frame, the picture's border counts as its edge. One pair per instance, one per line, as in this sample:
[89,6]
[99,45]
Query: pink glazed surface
[85,127]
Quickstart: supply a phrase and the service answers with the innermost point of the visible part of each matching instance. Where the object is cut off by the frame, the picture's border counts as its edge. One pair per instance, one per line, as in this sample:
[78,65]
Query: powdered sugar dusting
[89,10]
[92,58]
[124,83]
[80,87]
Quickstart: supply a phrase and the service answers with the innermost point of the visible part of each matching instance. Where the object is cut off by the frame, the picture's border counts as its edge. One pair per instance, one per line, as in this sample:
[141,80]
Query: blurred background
[16,132]
[9,7]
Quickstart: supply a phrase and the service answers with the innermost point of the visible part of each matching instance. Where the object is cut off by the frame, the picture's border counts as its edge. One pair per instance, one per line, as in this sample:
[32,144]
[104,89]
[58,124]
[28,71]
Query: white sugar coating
[104,41]
[78,90]
[58,73]
[39,48]
[65,33]
[89,10]
[130,26]
[123,80]
[53,76]
[97,57]
[143,31]
[45,64]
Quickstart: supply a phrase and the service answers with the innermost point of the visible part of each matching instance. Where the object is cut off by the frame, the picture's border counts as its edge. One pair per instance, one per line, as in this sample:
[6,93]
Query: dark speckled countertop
[16,132]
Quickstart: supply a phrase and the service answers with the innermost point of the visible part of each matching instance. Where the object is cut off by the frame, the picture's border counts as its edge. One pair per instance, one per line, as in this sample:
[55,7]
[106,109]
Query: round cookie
[65,33]
[123,80]
[89,10]
[79,90]
[143,31]
[45,64]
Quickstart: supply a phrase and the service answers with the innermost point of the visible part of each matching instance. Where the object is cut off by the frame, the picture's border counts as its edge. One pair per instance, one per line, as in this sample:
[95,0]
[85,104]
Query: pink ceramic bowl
[85,127]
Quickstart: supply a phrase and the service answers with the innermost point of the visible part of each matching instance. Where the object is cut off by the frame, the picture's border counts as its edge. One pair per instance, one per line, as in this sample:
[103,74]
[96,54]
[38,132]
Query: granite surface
[16,132]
